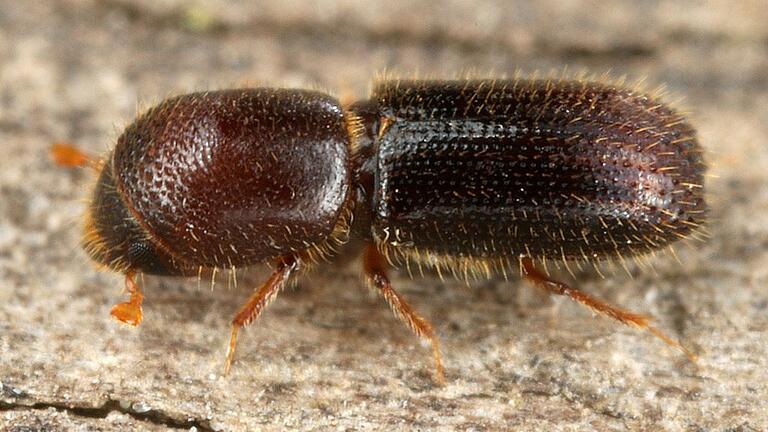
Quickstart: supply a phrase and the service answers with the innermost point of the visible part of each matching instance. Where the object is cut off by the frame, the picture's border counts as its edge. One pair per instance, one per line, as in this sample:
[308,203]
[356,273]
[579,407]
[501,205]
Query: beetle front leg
[374,267]
[259,300]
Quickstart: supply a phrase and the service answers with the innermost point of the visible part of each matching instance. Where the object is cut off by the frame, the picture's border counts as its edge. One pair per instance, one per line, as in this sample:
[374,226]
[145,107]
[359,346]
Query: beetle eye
[145,257]
[140,254]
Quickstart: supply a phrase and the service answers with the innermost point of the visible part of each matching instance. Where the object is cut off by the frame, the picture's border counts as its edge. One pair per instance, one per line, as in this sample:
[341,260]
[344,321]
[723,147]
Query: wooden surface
[327,355]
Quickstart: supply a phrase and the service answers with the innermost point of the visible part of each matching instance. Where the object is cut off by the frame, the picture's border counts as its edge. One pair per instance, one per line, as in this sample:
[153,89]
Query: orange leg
[259,300]
[625,317]
[129,312]
[374,267]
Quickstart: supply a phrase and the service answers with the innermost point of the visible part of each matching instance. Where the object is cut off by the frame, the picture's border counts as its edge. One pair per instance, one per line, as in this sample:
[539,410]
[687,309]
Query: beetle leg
[374,268]
[259,300]
[129,312]
[625,317]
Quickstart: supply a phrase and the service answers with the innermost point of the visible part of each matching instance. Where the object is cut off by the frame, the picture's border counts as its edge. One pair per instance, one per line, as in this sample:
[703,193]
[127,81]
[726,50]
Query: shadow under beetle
[472,178]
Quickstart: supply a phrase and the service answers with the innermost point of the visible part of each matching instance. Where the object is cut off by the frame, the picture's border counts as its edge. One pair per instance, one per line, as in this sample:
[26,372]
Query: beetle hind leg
[625,317]
[374,267]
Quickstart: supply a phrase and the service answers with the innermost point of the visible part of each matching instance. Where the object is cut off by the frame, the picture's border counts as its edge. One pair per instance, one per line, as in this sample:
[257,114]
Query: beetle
[472,178]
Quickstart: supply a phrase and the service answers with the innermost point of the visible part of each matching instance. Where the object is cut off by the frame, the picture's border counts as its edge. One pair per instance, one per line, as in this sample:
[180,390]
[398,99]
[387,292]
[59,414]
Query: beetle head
[113,238]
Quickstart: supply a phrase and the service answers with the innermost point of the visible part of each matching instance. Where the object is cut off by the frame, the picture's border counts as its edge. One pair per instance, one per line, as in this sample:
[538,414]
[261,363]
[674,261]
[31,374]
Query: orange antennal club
[67,155]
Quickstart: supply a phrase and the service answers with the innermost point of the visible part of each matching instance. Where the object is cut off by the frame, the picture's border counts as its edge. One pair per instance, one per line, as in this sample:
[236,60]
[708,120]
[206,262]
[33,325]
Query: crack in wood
[111,405]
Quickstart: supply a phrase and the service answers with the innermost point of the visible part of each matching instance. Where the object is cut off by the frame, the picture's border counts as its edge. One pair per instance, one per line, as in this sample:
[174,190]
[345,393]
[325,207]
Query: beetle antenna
[67,155]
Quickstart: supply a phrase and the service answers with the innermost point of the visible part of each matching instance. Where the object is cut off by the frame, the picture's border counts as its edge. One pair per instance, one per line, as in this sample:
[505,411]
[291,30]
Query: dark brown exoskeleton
[471,178]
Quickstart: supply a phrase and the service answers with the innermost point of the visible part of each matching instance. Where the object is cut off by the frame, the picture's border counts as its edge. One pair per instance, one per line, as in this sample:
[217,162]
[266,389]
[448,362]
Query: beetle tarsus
[231,349]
